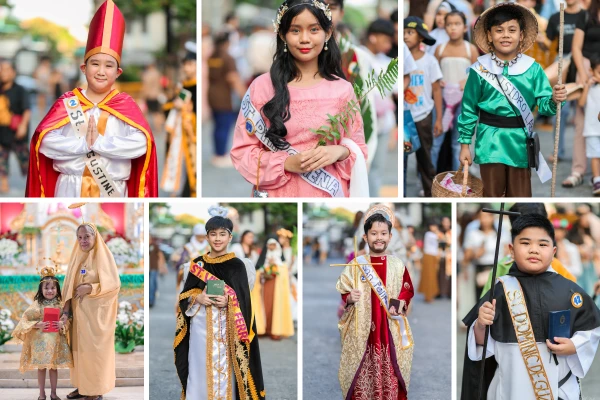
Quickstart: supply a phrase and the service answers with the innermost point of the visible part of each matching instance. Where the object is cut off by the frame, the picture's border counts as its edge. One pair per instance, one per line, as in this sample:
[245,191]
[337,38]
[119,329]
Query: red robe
[41,179]
[374,379]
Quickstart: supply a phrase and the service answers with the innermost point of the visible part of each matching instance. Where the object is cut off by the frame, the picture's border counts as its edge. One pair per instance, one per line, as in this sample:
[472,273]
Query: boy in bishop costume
[377,343]
[216,348]
[524,359]
[95,142]
[505,32]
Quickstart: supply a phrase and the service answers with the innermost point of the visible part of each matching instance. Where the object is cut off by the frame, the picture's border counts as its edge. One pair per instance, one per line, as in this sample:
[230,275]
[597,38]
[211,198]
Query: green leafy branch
[341,122]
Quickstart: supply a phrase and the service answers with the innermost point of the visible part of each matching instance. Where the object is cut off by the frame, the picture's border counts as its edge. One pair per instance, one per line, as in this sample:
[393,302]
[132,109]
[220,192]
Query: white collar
[83,92]
[520,67]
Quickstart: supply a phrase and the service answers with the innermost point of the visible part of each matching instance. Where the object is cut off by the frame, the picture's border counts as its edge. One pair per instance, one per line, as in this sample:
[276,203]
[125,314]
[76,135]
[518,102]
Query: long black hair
[284,70]
[39,296]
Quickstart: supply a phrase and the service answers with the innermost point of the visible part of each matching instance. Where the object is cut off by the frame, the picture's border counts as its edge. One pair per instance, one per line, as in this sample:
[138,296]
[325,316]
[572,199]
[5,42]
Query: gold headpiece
[383,210]
[284,8]
[78,205]
[48,270]
[285,233]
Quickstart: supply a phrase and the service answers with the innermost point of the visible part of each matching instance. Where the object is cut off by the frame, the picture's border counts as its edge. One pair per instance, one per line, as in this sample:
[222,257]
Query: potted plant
[129,332]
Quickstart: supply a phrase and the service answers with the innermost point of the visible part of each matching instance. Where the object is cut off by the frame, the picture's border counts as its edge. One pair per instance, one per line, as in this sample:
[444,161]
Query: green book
[215,288]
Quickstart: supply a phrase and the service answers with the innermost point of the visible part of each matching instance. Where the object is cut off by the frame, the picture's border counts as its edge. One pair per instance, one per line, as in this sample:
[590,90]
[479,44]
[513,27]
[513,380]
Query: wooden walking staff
[356,266]
[502,213]
[558,105]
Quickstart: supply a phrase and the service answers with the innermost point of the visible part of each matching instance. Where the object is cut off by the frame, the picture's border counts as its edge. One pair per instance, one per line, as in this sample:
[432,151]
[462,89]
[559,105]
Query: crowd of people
[239,60]
[448,100]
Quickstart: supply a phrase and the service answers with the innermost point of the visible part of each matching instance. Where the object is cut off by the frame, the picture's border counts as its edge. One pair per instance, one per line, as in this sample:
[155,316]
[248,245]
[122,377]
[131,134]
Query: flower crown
[284,8]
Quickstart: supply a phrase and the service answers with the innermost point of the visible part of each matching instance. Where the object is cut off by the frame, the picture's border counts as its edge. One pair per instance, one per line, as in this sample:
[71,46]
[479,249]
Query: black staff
[502,213]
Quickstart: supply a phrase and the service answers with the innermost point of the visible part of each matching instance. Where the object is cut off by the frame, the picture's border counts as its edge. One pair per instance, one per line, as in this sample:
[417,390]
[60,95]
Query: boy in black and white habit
[522,303]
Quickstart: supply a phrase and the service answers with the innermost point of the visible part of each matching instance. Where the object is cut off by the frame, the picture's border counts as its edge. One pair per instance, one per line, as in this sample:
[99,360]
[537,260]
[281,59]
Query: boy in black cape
[531,366]
[216,350]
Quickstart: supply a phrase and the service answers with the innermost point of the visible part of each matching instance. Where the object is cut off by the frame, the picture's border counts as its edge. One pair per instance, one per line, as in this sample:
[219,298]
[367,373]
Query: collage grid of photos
[214,208]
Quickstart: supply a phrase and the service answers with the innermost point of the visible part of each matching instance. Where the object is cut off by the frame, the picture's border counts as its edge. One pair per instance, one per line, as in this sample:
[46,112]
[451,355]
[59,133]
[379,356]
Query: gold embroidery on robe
[41,349]
[354,342]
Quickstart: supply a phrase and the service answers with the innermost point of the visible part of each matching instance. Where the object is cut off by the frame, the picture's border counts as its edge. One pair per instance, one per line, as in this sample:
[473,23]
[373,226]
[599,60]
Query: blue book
[559,325]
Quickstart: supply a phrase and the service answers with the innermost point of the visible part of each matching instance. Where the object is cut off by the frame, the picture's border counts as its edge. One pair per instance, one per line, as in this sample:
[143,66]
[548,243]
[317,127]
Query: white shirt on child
[431,244]
[511,380]
[120,144]
[409,62]
[428,71]
[591,125]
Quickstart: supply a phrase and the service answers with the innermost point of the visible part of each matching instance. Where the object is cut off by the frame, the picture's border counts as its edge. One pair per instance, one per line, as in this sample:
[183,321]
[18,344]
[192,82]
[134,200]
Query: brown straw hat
[529,33]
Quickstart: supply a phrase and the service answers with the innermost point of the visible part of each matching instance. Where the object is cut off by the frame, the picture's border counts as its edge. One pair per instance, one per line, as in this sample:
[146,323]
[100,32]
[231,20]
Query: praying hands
[92,132]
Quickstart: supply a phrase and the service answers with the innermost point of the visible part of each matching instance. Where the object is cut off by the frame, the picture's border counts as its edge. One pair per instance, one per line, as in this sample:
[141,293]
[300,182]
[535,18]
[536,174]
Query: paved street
[431,330]
[539,189]
[213,178]
[590,384]
[279,358]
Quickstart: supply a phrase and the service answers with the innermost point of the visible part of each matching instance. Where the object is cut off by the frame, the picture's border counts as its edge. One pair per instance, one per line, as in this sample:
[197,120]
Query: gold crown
[284,232]
[284,8]
[48,270]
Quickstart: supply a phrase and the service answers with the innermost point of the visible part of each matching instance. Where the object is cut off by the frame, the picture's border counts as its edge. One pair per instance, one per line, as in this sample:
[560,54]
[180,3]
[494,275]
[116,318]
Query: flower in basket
[6,326]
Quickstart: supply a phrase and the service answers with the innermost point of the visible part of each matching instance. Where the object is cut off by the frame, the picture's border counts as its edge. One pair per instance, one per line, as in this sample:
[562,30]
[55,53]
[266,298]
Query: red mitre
[107,31]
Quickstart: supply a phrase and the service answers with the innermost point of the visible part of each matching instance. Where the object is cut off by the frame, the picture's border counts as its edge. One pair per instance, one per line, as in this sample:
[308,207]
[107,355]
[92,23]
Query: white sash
[378,287]
[516,98]
[255,125]
[92,160]
[172,173]
[515,300]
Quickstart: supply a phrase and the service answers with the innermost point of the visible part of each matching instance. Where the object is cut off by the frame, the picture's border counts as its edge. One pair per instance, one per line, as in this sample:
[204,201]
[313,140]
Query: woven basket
[461,177]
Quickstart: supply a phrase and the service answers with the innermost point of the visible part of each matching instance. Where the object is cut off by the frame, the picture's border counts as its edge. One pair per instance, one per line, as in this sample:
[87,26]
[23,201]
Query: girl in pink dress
[273,147]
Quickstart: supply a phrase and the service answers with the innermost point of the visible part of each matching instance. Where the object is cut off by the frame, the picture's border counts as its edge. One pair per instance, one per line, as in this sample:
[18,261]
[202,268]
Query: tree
[277,215]
[59,38]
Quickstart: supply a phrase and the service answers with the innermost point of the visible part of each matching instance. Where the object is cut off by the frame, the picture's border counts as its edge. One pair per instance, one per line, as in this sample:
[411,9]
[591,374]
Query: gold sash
[525,338]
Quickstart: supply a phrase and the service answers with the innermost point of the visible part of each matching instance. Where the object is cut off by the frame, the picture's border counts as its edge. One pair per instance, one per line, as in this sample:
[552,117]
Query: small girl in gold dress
[44,350]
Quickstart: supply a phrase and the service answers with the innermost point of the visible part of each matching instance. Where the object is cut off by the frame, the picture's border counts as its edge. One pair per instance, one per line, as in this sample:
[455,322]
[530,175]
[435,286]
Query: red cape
[41,180]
